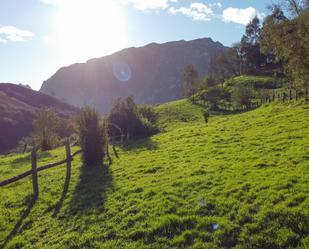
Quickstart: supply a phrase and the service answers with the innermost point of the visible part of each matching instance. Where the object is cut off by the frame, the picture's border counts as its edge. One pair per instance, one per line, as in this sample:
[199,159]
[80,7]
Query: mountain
[18,107]
[151,74]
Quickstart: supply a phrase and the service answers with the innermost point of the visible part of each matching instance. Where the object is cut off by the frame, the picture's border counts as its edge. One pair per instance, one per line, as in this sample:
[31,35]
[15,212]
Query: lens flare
[122,71]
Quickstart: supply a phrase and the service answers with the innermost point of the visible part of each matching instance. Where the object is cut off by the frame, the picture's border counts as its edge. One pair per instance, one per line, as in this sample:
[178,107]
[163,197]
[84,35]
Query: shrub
[148,112]
[92,137]
[131,121]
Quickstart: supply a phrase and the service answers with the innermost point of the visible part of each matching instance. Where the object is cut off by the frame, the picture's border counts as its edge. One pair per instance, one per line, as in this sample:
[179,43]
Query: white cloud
[47,1]
[217,5]
[3,40]
[13,34]
[149,4]
[138,4]
[240,16]
[50,1]
[198,11]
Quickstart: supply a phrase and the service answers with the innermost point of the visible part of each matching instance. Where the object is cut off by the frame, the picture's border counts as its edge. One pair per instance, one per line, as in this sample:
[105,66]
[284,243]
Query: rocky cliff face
[151,74]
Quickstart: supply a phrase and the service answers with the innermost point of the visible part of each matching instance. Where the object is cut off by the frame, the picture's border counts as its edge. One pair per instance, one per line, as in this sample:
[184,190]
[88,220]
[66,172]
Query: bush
[92,137]
[128,120]
[148,112]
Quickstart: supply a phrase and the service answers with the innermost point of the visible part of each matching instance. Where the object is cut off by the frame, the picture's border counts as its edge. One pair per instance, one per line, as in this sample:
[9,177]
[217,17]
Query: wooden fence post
[34,173]
[296,95]
[68,158]
[291,96]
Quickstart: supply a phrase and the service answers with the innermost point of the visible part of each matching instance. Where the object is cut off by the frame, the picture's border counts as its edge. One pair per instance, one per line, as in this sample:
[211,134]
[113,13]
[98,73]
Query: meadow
[239,181]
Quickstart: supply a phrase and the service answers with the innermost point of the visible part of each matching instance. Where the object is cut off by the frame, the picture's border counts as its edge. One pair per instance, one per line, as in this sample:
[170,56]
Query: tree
[241,96]
[45,127]
[244,57]
[227,63]
[93,137]
[66,127]
[288,40]
[207,82]
[253,59]
[295,7]
[190,78]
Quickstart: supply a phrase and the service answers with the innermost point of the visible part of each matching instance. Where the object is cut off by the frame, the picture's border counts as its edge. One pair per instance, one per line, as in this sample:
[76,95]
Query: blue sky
[37,37]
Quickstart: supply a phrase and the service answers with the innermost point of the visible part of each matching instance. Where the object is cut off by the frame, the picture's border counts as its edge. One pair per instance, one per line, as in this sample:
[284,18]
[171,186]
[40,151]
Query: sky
[37,37]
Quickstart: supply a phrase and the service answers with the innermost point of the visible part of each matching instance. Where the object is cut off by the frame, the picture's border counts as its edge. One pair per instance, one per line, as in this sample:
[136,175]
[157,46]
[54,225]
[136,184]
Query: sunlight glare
[88,28]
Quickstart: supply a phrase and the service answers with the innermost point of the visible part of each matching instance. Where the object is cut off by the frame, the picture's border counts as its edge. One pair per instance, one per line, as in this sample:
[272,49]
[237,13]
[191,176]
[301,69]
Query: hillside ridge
[18,107]
[151,74]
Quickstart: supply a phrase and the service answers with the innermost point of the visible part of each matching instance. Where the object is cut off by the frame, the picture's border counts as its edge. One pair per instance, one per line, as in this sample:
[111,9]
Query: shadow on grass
[237,111]
[27,158]
[63,195]
[203,105]
[30,203]
[91,190]
[147,144]
[221,111]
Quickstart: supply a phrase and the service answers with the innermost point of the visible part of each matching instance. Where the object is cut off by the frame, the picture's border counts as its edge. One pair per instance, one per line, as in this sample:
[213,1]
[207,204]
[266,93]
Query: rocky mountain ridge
[151,74]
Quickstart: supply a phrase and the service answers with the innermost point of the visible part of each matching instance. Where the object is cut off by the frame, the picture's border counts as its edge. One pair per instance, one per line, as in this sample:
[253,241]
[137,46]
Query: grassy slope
[264,82]
[242,180]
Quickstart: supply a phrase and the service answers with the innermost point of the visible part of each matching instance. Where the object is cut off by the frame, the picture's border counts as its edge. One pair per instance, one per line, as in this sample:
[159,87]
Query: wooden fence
[283,95]
[265,96]
[34,169]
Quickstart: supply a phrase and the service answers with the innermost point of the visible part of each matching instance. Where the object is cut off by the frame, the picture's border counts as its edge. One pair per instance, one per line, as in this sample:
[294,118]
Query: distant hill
[18,107]
[152,74]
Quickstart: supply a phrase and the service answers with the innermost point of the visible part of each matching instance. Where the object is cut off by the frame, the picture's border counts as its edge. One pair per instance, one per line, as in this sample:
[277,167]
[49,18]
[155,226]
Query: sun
[86,29]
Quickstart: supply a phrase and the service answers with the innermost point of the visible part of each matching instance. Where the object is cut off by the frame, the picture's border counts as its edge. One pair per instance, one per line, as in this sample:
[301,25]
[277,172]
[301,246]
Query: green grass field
[240,181]
[258,82]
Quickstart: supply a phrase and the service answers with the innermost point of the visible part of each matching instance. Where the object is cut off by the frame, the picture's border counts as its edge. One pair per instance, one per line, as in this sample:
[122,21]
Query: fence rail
[34,169]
